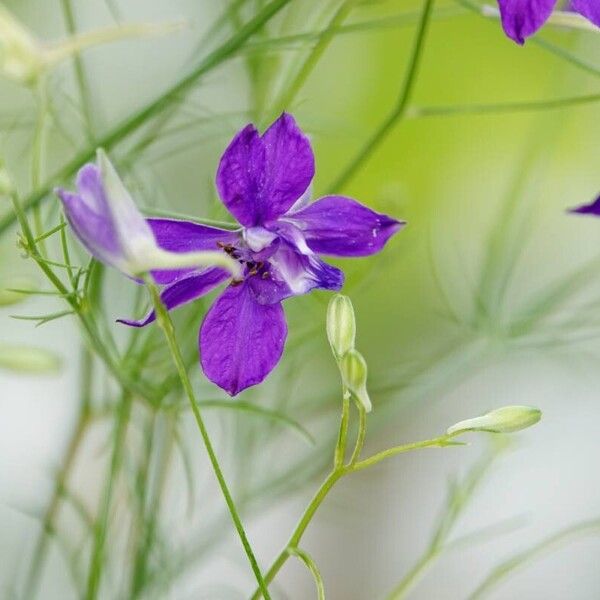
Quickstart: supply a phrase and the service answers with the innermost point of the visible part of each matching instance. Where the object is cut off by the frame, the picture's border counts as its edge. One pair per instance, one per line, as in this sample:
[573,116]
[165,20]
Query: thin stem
[306,558]
[439,442]
[398,111]
[84,91]
[166,324]
[286,98]
[326,487]
[83,420]
[154,108]
[360,437]
[101,525]
[340,448]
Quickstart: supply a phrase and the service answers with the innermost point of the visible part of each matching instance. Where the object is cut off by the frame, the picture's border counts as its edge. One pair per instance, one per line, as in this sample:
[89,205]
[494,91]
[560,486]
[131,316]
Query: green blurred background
[488,297]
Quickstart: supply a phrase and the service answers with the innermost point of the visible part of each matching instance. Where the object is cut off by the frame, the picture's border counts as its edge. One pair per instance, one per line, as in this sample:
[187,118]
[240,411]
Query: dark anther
[266,275]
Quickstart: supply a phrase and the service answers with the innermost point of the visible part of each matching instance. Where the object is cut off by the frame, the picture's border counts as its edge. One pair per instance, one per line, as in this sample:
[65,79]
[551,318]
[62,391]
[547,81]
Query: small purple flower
[263,182]
[588,209]
[522,18]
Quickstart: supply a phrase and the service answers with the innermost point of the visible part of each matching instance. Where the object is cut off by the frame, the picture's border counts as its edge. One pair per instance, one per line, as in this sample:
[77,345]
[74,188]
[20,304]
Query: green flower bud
[6,186]
[502,420]
[23,359]
[14,290]
[354,375]
[21,57]
[341,326]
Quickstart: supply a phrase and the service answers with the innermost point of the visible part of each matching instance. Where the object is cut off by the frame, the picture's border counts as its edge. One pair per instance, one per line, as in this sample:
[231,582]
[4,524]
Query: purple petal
[241,341]
[88,214]
[522,18]
[290,166]
[186,236]
[183,291]
[341,226]
[260,178]
[590,9]
[240,176]
[588,209]
[293,270]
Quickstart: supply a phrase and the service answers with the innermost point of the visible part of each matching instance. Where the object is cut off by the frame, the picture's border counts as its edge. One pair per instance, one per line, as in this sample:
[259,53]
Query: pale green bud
[502,420]
[353,368]
[15,290]
[6,186]
[341,326]
[21,57]
[23,359]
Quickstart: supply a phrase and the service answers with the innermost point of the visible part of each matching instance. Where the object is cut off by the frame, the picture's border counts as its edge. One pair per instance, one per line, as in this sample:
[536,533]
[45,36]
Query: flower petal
[588,209]
[240,176]
[241,341]
[341,226]
[88,214]
[522,18]
[590,9]
[186,236]
[290,166]
[183,291]
[260,178]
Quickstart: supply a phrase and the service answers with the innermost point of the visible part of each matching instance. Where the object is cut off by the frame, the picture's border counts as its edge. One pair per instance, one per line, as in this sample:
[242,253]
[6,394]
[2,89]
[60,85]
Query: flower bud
[23,359]
[354,375]
[502,420]
[341,326]
[6,186]
[21,57]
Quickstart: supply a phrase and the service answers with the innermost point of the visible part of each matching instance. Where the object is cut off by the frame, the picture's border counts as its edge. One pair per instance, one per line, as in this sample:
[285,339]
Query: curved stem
[399,109]
[306,558]
[166,324]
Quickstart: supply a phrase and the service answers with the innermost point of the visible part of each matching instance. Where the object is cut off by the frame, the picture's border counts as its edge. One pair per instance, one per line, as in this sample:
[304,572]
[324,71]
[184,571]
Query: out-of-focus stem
[399,109]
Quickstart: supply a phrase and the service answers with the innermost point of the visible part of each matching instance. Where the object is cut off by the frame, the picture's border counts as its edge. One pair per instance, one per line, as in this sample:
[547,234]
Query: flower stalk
[166,324]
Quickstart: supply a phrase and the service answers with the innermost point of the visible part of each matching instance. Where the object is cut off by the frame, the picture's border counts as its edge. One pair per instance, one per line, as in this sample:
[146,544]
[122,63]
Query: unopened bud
[6,186]
[21,57]
[502,420]
[341,326]
[353,368]
[23,359]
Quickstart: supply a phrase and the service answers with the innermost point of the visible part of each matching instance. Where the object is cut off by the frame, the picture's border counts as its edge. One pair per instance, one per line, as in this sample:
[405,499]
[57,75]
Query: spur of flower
[522,18]
[263,181]
[593,208]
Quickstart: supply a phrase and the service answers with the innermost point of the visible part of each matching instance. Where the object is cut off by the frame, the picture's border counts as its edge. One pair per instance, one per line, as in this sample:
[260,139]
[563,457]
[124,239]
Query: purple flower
[588,209]
[522,18]
[263,182]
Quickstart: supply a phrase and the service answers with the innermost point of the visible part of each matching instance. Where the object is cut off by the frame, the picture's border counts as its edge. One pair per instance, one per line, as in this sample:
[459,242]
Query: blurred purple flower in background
[522,18]
[593,208]
[263,182]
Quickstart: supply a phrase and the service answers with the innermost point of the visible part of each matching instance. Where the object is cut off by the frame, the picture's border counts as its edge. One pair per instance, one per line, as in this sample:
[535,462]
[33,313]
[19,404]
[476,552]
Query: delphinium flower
[593,208]
[522,18]
[263,181]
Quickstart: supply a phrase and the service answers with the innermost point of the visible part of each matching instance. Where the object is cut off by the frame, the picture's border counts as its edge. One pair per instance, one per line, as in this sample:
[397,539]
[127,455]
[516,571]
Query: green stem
[306,558]
[286,99]
[101,525]
[166,324]
[340,448]
[362,431]
[84,91]
[154,108]
[326,487]
[399,111]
